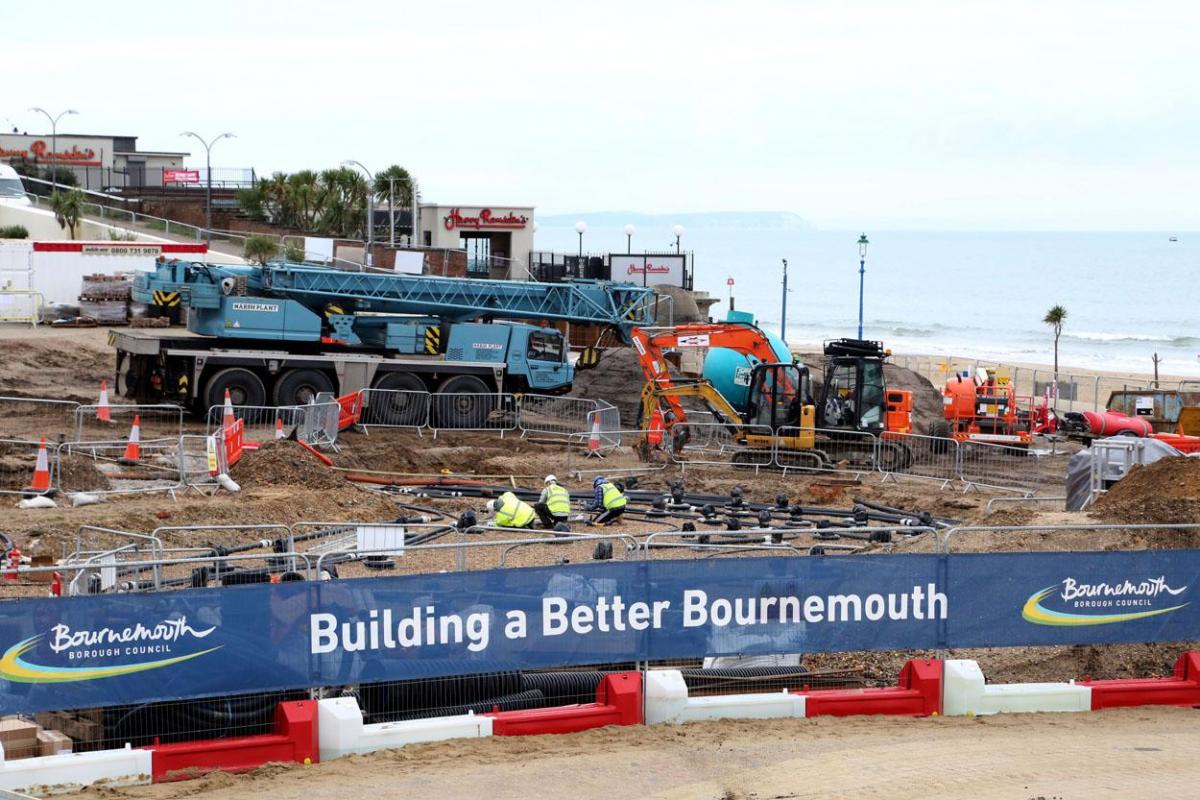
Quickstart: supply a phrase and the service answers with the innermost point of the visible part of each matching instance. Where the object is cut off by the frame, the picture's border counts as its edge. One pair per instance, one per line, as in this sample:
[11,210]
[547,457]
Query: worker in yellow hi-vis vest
[511,511]
[608,500]
[554,506]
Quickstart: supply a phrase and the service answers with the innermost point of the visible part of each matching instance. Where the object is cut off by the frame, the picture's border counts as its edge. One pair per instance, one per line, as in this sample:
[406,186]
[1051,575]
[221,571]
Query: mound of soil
[284,463]
[1177,478]
[79,474]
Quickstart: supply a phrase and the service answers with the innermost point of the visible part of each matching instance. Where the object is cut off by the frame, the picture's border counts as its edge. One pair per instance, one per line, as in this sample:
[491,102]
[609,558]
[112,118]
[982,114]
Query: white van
[12,191]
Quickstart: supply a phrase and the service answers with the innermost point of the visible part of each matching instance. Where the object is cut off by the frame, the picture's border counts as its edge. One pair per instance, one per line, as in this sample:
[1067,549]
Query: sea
[1128,296]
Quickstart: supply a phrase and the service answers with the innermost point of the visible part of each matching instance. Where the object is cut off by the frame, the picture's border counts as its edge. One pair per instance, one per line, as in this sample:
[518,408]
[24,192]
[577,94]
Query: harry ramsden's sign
[42,152]
[485,219]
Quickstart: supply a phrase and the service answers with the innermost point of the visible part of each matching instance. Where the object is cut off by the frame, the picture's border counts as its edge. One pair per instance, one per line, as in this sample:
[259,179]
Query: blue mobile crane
[281,333]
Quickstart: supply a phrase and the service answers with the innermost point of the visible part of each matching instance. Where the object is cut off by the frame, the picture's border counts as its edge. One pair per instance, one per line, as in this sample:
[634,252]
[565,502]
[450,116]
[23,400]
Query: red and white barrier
[918,693]
[1181,689]
[966,693]
[70,771]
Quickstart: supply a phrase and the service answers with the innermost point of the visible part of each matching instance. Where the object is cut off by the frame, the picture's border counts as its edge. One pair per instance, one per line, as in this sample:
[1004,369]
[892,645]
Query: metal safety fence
[262,423]
[31,417]
[394,408]
[714,444]
[829,450]
[101,422]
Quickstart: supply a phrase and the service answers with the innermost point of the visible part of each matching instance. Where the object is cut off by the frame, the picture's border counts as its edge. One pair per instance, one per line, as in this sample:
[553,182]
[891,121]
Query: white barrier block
[964,691]
[667,700]
[342,731]
[339,726]
[67,772]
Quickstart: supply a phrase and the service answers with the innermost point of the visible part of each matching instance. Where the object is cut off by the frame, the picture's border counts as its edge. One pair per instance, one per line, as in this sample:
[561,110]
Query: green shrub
[14,232]
[260,249]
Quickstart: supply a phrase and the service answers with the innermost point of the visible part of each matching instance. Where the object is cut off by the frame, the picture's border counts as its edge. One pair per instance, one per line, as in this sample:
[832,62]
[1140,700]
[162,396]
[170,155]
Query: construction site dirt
[379,475]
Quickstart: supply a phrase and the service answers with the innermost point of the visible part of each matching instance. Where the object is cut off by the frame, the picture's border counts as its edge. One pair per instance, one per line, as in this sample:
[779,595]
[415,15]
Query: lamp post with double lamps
[208,146]
[54,141]
[369,258]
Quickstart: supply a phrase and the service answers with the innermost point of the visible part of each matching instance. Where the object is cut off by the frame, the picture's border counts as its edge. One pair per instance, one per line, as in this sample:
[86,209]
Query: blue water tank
[722,364]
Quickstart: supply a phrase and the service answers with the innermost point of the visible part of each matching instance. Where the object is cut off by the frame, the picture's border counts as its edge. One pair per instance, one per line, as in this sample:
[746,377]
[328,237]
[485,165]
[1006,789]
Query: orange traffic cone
[41,472]
[133,448]
[102,412]
[279,428]
[228,420]
[593,447]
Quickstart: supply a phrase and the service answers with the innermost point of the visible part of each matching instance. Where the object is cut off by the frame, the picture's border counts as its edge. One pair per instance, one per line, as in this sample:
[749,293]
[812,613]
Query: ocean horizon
[1128,295]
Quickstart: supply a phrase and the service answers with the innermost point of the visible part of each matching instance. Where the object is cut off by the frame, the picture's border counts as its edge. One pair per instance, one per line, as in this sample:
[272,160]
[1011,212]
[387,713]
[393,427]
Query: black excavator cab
[852,392]
[777,395]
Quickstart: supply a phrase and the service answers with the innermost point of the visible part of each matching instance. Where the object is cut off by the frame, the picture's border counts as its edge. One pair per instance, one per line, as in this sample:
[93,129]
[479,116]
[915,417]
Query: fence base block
[69,771]
[918,693]
[667,701]
[966,693]
[1181,689]
[343,733]
[294,741]
[618,702]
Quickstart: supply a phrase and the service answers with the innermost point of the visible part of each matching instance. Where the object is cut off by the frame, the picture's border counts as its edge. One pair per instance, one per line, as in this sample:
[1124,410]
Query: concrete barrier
[917,693]
[966,693]
[618,702]
[68,772]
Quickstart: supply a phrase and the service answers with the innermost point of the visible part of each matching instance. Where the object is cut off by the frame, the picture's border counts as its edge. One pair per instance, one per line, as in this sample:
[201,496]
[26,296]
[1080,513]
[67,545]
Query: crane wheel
[398,399]
[299,387]
[463,402]
[245,388]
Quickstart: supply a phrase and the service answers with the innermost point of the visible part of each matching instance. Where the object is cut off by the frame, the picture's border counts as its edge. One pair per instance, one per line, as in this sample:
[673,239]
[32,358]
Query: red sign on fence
[181,176]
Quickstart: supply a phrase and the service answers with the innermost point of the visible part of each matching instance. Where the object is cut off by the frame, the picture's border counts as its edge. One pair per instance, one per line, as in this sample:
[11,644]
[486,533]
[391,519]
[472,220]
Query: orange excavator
[780,412]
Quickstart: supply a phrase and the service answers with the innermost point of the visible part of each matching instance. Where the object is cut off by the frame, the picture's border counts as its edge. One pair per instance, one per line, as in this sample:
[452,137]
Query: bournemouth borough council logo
[1100,603]
[86,647]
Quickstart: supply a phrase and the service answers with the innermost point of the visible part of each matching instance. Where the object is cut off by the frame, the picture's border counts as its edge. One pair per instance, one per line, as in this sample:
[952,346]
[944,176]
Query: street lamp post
[581,229]
[370,254]
[208,146]
[629,231]
[54,142]
[678,231]
[862,269]
[783,315]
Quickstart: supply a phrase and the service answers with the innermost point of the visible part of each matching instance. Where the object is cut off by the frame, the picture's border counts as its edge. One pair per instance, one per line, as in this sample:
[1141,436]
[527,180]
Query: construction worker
[554,506]
[511,511]
[608,500]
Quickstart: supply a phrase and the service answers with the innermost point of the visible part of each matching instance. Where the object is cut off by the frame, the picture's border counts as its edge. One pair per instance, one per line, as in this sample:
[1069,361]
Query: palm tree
[68,208]
[1055,318]
[403,181]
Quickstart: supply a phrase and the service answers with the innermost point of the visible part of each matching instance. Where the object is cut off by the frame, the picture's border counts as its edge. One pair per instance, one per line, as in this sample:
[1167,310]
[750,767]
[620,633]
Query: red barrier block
[918,693]
[1181,689]
[349,410]
[618,702]
[294,740]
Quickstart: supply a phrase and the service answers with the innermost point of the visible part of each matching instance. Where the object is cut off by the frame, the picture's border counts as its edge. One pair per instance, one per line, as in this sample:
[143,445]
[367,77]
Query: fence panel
[394,408]
[539,413]
[833,451]
[157,421]
[614,452]
[321,419]
[95,467]
[30,418]
[469,411]
[932,458]
[997,466]
[260,421]
[716,444]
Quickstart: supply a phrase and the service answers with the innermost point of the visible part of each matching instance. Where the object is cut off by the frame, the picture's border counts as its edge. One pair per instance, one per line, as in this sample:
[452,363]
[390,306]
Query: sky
[904,115]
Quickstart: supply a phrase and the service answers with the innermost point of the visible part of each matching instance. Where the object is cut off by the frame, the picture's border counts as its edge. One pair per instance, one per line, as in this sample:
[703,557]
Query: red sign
[41,151]
[181,176]
[486,219]
[649,269]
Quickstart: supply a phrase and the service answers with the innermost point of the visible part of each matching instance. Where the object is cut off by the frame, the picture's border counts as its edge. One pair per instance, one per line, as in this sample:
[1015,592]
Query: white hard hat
[491,505]
[551,479]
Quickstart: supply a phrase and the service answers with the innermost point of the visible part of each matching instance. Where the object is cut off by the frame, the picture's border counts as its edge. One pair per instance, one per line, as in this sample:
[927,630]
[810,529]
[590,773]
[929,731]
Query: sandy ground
[1121,753]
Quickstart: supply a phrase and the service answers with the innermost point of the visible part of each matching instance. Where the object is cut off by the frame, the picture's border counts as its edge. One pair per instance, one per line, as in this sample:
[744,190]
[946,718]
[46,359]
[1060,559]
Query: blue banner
[117,649]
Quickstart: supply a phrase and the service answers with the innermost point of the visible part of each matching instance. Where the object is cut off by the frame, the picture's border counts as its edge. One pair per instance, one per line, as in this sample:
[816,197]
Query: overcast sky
[1014,115]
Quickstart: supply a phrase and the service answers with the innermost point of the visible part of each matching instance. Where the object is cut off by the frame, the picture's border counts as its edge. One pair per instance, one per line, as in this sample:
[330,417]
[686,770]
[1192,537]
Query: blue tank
[722,365]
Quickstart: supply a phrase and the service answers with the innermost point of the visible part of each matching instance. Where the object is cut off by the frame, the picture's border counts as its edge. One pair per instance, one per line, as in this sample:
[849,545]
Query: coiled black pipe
[565,688]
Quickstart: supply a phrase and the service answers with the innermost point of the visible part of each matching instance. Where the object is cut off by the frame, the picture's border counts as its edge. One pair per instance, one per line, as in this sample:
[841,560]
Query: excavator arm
[743,338]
